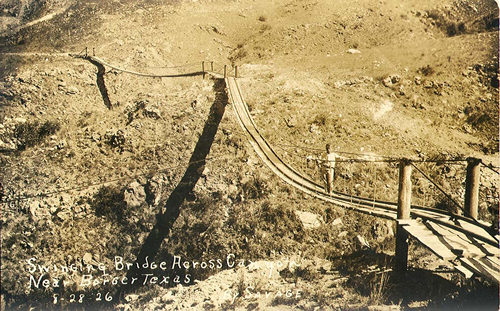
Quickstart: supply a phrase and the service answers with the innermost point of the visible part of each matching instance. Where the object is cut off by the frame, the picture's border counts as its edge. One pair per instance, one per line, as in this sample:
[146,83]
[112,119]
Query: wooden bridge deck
[468,254]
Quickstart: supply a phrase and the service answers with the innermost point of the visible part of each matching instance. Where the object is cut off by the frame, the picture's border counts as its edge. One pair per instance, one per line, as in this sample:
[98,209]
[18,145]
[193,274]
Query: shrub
[451,28]
[32,133]
[262,18]
[379,288]
[320,120]
[240,54]
[255,188]
[426,70]
[115,140]
[109,202]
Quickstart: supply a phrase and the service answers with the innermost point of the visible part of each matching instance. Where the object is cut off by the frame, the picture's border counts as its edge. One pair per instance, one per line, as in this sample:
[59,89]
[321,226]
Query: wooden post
[330,170]
[211,66]
[203,68]
[404,206]
[236,71]
[225,71]
[472,180]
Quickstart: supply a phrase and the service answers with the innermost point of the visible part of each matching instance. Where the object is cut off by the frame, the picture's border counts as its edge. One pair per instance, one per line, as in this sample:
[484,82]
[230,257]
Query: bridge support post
[404,207]
[472,181]
[236,71]
[225,71]
[212,66]
[203,68]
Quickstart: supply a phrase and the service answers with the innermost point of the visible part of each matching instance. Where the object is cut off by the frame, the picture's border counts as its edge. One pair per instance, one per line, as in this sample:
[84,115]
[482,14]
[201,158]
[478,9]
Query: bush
[115,140]
[262,18]
[320,120]
[452,28]
[240,54]
[426,70]
[255,188]
[109,202]
[29,134]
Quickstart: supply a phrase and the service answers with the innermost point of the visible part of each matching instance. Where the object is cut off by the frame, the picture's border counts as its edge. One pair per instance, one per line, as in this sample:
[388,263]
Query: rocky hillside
[89,159]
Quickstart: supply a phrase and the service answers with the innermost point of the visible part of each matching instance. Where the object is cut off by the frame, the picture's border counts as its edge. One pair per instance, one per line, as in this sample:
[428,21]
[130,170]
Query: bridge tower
[404,206]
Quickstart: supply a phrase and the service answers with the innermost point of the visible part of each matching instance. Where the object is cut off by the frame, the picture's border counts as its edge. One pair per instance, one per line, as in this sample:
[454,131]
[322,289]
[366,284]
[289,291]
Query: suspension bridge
[463,241]
[469,244]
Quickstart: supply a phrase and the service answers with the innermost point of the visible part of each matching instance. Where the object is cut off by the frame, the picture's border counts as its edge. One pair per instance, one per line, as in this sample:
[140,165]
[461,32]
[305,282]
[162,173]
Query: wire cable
[490,166]
[137,73]
[438,187]
[90,185]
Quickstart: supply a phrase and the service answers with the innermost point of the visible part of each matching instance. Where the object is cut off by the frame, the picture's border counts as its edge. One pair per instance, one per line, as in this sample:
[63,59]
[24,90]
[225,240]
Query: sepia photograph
[249,155]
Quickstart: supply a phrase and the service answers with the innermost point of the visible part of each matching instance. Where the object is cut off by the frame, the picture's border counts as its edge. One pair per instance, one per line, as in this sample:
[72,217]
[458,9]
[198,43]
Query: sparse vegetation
[238,55]
[450,27]
[115,140]
[265,28]
[255,188]
[379,288]
[32,133]
[320,120]
[295,73]
[426,70]
[109,202]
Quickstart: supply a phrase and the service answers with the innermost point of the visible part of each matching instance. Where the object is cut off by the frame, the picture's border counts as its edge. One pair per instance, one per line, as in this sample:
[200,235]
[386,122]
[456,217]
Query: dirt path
[44,18]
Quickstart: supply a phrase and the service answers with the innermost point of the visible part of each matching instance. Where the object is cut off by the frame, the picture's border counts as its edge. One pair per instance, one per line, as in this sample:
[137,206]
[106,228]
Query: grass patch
[239,54]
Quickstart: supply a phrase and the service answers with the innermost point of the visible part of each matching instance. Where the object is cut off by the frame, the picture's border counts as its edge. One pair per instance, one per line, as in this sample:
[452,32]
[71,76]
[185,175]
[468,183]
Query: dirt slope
[413,79]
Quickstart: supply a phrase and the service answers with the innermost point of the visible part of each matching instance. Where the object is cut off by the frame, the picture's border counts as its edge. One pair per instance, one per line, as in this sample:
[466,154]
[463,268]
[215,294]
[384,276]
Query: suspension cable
[438,187]
[490,166]
[90,185]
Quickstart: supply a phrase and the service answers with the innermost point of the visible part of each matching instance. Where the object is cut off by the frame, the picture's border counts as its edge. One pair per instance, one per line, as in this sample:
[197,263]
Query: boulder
[131,297]
[383,231]
[135,195]
[154,190]
[313,128]
[151,112]
[72,90]
[87,259]
[337,222]
[395,78]
[387,82]
[361,242]
[8,146]
[309,220]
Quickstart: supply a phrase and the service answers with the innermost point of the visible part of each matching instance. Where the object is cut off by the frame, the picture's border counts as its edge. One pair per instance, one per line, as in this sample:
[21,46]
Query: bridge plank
[460,241]
[480,268]
[476,229]
[419,231]
[464,271]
